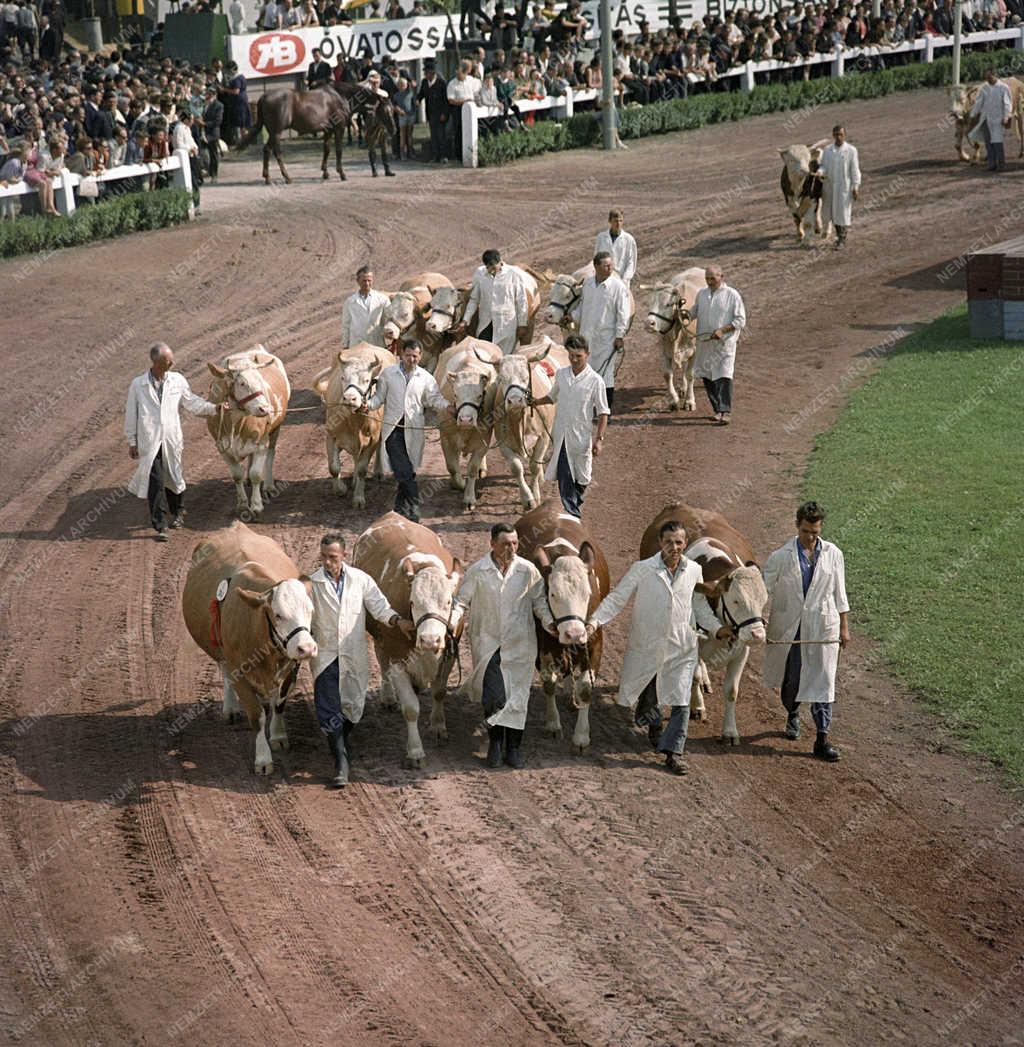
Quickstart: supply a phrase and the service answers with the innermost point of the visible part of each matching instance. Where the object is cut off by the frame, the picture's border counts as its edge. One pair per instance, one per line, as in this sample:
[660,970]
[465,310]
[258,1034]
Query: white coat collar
[657,564]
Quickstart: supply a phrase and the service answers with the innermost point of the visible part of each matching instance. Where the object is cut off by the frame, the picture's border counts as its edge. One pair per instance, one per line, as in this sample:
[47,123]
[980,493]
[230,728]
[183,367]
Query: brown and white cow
[447,306]
[406,315]
[467,376]
[800,188]
[245,605]
[256,388]
[344,388]
[963,122]
[576,576]
[420,578]
[736,591]
[523,431]
[669,317]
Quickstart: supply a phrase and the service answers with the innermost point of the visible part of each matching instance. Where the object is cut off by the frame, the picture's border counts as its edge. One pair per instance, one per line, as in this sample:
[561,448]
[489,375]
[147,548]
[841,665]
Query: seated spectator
[12,172]
[36,174]
[135,152]
[119,150]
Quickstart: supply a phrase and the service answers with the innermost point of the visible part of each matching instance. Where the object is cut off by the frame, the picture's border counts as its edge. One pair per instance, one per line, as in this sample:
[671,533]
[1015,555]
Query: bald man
[720,316]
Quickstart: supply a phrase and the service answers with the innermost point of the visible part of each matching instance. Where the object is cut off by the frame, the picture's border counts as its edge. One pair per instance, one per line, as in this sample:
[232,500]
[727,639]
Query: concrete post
[181,177]
[64,194]
[470,129]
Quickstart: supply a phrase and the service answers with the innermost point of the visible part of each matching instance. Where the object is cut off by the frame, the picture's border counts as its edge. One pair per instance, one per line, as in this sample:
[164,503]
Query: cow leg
[388,699]
[701,686]
[278,731]
[238,471]
[817,216]
[581,694]
[360,464]
[472,472]
[438,724]
[733,674]
[453,463]
[230,709]
[410,702]
[516,467]
[690,400]
[549,680]
[270,488]
[668,363]
[334,465]
[798,221]
[540,448]
[264,763]
[257,467]
[327,155]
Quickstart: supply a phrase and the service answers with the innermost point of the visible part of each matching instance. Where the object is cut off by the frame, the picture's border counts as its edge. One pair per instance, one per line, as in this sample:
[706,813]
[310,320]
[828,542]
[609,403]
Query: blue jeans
[327,700]
[570,492]
[821,712]
[407,498]
[648,714]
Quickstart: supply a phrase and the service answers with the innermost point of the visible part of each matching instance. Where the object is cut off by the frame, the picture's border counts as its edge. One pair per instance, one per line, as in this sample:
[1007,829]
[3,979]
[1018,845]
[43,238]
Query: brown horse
[327,110]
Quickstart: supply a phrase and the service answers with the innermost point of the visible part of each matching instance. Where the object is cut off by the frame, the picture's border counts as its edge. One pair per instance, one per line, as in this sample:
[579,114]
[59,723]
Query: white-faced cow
[467,377]
[406,315]
[255,386]
[344,388]
[447,306]
[246,607]
[563,295]
[576,577]
[963,123]
[800,188]
[670,318]
[419,577]
[736,591]
[522,430]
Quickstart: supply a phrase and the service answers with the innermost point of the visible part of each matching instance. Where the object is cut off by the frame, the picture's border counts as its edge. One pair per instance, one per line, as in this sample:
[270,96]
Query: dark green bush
[584,129]
[127,213]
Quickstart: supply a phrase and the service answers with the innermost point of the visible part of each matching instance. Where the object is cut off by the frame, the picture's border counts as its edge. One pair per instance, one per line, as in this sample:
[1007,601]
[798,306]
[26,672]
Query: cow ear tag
[222,590]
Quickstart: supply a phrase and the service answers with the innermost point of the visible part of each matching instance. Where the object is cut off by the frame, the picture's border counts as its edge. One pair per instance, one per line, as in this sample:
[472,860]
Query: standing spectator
[28,29]
[105,121]
[237,117]
[119,149]
[602,316]
[720,316]
[839,171]
[620,244]
[319,71]
[153,429]
[182,138]
[433,92]
[405,108]
[269,16]
[362,315]
[213,119]
[462,89]
[308,15]
[993,107]
[236,16]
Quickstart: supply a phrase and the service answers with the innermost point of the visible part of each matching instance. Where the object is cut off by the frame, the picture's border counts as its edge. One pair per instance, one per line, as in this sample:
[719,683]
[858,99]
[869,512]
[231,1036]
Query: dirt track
[154,891]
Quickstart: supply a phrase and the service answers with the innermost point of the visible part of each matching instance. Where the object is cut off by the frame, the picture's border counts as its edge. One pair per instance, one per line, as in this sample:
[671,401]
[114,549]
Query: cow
[447,306]
[246,606]
[256,388]
[563,296]
[576,577]
[734,587]
[344,388]
[963,122]
[669,317]
[467,376]
[407,313]
[801,190]
[420,578]
[523,430]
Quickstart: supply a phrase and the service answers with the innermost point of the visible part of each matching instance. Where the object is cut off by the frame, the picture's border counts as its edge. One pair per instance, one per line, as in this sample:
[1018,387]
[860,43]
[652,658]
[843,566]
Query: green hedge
[127,213]
[584,129]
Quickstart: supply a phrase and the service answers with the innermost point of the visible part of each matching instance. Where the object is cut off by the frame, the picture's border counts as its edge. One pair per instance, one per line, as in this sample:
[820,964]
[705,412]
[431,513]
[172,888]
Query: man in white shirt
[994,106]
[602,316]
[580,397]
[620,245]
[362,316]
[720,316]
[236,15]
[341,597]
[503,593]
[498,300]
[404,390]
[839,171]
[662,651]
[462,88]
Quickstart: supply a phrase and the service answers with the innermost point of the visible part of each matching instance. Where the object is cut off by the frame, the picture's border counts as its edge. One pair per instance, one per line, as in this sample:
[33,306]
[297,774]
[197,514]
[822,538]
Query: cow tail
[246,138]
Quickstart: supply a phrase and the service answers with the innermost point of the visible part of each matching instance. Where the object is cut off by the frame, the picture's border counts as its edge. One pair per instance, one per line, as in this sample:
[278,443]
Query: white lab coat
[406,398]
[816,616]
[712,310]
[840,170]
[581,399]
[362,319]
[602,315]
[501,301]
[340,632]
[623,252]
[993,105]
[662,640]
[151,423]
[501,612]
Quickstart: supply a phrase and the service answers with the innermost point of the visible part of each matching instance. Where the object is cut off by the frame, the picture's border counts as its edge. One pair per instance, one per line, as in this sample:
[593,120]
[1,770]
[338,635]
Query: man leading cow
[839,171]
[720,316]
[498,299]
[619,244]
[602,317]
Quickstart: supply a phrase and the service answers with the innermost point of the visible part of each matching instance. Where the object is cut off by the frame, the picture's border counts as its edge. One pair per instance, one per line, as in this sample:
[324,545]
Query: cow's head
[562,298]
[399,314]
[469,389]
[241,378]
[664,312]
[288,608]
[357,378]
[745,597]
[431,593]
[514,376]
[571,583]
[446,307]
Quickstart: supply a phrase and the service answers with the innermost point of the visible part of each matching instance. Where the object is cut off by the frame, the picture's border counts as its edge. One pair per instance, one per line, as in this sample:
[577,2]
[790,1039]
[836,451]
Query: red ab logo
[276,53]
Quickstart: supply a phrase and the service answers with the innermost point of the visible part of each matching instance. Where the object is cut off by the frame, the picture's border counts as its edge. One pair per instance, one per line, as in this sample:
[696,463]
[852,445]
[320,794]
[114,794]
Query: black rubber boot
[497,736]
[675,765]
[513,755]
[336,743]
[824,749]
[346,737]
[793,726]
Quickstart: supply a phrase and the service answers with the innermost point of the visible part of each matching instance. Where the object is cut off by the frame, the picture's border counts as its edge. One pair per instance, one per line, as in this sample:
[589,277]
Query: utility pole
[607,92]
[957,16]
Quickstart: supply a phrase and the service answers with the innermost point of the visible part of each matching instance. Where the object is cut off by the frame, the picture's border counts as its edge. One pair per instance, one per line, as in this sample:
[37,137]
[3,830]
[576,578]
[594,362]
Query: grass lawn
[923,478]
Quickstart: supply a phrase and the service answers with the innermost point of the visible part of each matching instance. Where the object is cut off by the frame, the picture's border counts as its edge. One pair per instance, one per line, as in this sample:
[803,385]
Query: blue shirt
[339,585]
[807,564]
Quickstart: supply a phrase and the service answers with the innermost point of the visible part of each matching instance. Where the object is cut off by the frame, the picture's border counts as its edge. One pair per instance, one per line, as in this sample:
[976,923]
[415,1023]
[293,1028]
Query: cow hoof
[272,492]
[325,176]
[555,732]
[343,176]
[265,768]
[440,735]
[414,763]
[730,739]
[700,715]
[358,503]
[579,748]
[672,405]
[279,743]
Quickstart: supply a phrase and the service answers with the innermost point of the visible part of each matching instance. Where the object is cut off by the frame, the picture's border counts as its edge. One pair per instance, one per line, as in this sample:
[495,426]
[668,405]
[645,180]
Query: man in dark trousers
[213,120]
[433,91]
[319,71]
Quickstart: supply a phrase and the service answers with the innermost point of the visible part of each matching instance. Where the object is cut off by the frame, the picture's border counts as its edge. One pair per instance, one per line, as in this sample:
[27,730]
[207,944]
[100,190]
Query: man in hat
[432,91]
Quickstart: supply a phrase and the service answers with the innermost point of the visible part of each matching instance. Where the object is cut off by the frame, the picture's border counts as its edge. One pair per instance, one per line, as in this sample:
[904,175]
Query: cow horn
[217,372]
[482,357]
[587,554]
[541,559]
[253,598]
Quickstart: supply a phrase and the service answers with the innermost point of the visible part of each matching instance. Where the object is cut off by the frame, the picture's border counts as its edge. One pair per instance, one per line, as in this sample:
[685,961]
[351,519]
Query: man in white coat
[498,299]
[580,397]
[602,316]
[662,651]
[839,170]
[341,597]
[362,316]
[404,390]
[806,580]
[503,593]
[620,245]
[993,107]
[720,315]
[152,428]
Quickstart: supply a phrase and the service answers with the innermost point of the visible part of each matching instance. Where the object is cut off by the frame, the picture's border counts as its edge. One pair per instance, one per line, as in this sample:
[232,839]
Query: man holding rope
[602,317]
[806,580]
